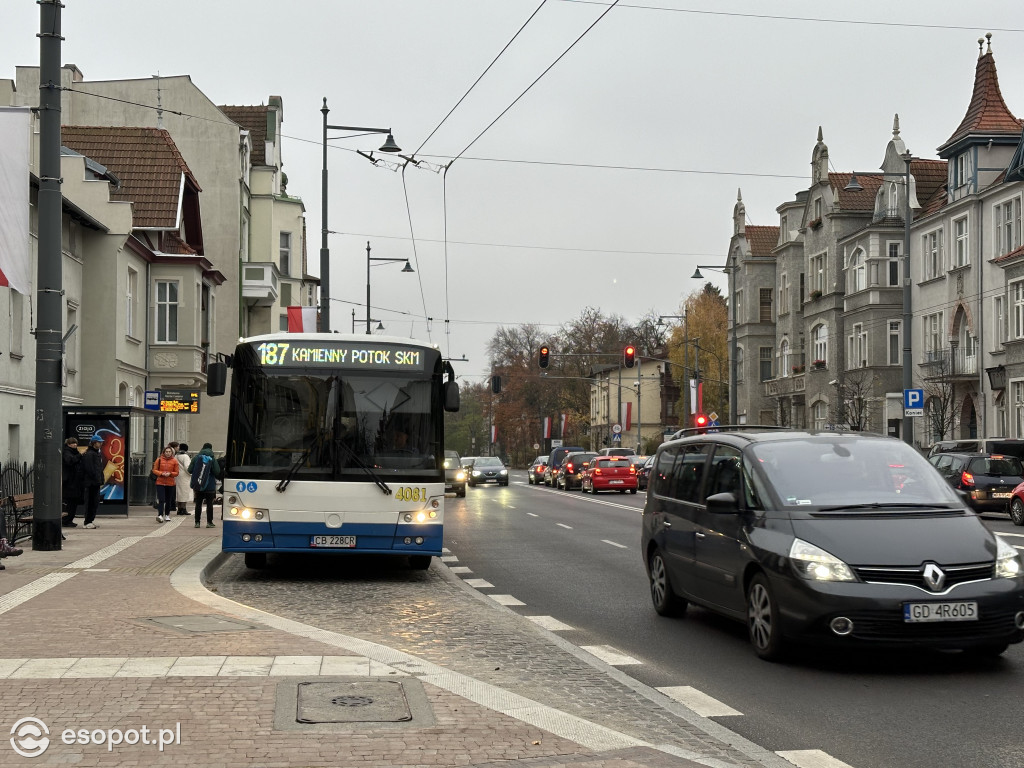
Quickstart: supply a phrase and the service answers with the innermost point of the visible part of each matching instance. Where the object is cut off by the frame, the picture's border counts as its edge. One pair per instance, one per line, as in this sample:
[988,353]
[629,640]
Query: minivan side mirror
[722,503]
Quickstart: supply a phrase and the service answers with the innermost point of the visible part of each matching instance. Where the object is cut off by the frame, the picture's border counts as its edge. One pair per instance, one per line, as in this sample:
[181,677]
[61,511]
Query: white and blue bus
[335,444]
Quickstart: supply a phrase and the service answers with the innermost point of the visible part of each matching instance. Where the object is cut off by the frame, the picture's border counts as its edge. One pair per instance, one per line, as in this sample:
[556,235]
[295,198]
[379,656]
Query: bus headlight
[421,516]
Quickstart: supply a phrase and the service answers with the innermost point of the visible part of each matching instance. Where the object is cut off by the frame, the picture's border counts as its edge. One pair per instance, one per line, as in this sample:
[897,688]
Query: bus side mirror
[216,379]
[451,396]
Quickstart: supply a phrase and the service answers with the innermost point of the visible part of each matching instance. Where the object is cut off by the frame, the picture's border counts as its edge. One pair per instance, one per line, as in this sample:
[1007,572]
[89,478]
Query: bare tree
[939,398]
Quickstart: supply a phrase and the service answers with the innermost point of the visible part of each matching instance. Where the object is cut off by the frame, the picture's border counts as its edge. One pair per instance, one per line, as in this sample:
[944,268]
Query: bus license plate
[920,612]
[336,542]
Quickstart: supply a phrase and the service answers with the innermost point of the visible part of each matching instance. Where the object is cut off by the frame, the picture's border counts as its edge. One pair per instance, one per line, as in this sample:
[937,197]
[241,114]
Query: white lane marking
[609,655]
[592,500]
[550,623]
[1019,535]
[460,569]
[479,583]
[614,544]
[563,525]
[446,551]
[449,559]
[531,514]
[811,758]
[506,600]
[698,701]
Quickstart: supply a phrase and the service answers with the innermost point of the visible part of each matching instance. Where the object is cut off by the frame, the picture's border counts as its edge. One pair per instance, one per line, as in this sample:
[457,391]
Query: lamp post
[369,259]
[325,254]
[908,371]
[729,269]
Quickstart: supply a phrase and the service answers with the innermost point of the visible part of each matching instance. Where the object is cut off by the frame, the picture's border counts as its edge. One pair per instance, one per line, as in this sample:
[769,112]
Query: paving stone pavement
[142,631]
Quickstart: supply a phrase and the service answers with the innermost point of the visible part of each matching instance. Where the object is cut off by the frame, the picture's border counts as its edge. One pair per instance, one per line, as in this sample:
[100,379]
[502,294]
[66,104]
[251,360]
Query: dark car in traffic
[847,539]
[454,474]
[570,473]
[535,473]
[643,473]
[555,459]
[487,469]
[987,480]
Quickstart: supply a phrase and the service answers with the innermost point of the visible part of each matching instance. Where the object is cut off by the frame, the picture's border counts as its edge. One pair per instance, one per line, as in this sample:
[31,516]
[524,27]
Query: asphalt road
[576,558]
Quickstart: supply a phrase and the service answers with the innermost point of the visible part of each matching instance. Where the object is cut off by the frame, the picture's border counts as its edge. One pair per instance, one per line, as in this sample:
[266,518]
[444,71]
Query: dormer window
[960,170]
[817,208]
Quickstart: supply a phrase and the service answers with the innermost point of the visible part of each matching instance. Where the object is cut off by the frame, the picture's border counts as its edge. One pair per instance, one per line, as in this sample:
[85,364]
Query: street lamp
[369,258]
[729,269]
[325,254]
[908,371]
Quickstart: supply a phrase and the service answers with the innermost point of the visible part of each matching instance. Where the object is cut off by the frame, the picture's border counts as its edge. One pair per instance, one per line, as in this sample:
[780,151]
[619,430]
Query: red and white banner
[626,417]
[15,249]
[547,427]
[302,319]
[562,433]
[494,435]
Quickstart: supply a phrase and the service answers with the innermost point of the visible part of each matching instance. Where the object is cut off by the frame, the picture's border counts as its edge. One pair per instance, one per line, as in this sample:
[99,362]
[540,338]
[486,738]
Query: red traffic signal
[544,351]
[629,353]
[700,420]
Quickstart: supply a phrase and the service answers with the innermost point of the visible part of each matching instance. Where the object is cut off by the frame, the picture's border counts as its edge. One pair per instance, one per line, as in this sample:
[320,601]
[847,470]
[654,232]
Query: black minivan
[555,462]
[847,538]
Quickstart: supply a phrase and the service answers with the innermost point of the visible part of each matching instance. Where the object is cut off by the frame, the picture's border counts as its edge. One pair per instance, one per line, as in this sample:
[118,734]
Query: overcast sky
[689,101]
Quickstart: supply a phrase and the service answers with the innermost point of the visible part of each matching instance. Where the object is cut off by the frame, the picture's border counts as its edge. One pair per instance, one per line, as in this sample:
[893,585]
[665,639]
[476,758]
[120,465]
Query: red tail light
[568,467]
[632,469]
[967,478]
[597,471]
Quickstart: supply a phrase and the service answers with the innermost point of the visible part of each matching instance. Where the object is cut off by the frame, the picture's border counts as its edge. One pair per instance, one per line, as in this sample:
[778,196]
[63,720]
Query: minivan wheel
[763,620]
[1017,512]
[665,601]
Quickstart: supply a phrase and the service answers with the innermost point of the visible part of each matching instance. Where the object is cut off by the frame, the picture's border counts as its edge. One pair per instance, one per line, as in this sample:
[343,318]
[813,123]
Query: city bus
[335,444]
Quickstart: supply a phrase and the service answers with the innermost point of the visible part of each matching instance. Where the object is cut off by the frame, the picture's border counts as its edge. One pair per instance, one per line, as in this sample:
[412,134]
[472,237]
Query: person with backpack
[204,470]
[183,483]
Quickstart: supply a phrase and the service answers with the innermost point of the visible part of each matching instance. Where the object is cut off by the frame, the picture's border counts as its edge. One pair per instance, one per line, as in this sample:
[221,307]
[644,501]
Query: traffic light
[544,357]
[630,355]
[700,420]
[496,384]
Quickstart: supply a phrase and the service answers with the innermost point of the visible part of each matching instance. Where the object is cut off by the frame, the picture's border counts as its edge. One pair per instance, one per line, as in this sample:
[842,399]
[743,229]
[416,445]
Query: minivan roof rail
[686,432]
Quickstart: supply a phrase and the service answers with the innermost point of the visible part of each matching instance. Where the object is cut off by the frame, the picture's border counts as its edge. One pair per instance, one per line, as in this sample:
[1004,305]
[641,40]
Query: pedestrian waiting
[165,468]
[92,479]
[71,485]
[182,483]
[204,471]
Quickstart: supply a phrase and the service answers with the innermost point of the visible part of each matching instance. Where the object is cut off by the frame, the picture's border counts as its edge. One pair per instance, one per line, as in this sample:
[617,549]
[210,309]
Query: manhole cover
[361,702]
[201,623]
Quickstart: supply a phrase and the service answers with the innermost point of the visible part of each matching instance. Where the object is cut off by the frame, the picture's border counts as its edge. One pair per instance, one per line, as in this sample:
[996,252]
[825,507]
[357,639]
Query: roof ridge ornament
[896,126]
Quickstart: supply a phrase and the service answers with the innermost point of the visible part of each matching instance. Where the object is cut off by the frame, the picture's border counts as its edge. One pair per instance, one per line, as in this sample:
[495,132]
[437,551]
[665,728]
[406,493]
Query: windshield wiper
[356,460]
[885,505]
[281,486]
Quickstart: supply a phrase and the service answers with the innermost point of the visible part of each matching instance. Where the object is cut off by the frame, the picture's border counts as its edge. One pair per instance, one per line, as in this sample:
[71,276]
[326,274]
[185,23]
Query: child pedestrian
[165,468]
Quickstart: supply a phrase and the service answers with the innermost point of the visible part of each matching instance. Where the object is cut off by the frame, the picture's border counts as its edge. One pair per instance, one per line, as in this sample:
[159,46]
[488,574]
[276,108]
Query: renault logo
[934,577]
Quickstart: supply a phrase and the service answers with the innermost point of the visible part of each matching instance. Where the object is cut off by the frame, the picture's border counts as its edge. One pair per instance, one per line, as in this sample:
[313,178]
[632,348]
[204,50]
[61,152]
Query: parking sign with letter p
[913,402]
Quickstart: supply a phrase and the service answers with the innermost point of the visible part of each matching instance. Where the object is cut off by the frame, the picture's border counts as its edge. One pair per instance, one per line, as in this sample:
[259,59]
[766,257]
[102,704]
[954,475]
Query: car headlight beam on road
[815,564]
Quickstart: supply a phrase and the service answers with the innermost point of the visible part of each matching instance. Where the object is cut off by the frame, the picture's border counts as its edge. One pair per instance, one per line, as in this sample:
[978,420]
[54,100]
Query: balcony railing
[951,362]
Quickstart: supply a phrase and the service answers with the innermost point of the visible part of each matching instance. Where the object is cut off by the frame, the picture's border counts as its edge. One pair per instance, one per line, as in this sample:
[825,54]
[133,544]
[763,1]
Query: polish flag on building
[302,319]
[562,433]
[626,417]
[547,427]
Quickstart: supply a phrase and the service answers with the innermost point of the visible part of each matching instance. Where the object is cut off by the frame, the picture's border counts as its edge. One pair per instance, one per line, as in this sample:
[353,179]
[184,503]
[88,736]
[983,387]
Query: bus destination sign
[345,355]
[179,400]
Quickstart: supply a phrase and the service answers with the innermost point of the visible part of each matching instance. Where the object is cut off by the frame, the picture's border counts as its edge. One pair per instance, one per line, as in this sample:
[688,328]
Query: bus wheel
[256,560]
[420,562]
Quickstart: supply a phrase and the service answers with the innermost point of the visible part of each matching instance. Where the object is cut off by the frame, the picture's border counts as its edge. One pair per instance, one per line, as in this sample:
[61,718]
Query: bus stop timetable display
[342,355]
[179,401]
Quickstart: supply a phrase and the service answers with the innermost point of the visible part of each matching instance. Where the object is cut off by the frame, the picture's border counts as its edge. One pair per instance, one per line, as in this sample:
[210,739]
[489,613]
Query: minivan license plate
[337,542]
[958,611]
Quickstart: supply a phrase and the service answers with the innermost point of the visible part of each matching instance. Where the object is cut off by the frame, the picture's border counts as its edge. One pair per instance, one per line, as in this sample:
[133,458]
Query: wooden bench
[19,510]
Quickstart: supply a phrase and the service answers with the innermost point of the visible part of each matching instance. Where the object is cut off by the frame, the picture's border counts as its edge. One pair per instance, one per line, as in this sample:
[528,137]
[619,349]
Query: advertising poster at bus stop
[112,428]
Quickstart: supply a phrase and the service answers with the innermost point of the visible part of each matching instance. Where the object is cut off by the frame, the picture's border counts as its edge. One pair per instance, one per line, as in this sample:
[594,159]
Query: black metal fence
[15,478]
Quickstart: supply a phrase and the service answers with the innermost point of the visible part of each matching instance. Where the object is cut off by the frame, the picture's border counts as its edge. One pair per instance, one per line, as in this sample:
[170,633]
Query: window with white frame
[857,352]
[131,302]
[961,251]
[960,170]
[819,415]
[1017,390]
[784,230]
[784,294]
[1006,216]
[784,357]
[285,254]
[999,318]
[283,323]
[765,306]
[933,336]
[166,320]
[931,249]
[71,346]
[17,324]
[738,298]
[892,203]
[1017,291]
[819,338]
[895,343]
[858,271]
[817,272]
[893,270]
[817,208]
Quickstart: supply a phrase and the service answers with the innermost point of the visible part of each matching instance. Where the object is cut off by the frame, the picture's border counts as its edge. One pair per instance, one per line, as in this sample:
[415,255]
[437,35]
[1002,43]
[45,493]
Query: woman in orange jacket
[165,468]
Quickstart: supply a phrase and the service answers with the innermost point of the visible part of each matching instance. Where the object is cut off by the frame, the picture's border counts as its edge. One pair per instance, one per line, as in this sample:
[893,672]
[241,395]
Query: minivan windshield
[836,471]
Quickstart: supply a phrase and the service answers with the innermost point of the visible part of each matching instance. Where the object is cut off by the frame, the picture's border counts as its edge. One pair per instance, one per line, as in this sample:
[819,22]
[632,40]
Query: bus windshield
[317,424]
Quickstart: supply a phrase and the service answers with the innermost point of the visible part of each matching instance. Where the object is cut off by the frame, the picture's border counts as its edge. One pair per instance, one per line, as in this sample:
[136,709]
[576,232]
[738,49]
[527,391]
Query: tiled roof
[929,175]
[174,244]
[851,200]
[254,120]
[147,162]
[1011,255]
[762,240]
[987,112]
[934,203]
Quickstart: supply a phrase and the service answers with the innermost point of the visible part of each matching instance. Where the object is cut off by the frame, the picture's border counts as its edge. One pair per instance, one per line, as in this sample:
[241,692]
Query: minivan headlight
[815,564]
[1008,564]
